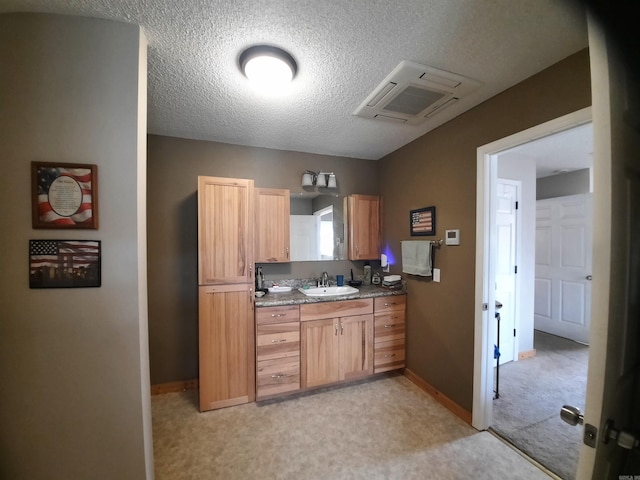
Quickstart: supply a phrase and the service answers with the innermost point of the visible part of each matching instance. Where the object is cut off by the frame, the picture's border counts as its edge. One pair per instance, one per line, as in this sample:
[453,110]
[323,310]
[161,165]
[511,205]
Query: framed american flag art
[64,195]
[64,263]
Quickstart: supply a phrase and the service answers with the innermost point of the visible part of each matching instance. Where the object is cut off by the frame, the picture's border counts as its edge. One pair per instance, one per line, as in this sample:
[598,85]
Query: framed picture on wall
[422,221]
[64,195]
[64,263]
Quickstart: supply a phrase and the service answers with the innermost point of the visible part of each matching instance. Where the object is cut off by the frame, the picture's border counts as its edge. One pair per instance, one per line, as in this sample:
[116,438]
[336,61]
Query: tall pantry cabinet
[225,296]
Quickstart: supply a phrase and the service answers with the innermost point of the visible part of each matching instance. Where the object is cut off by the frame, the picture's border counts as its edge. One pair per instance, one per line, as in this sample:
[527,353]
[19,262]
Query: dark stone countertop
[294,297]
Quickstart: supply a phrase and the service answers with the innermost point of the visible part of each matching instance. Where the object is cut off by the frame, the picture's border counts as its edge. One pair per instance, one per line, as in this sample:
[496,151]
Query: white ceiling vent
[413,92]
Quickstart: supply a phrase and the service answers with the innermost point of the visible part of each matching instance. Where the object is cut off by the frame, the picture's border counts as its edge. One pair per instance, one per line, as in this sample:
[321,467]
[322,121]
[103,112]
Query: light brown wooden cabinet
[336,341]
[226,301]
[363,213]
[225,230]
[277,350]
[226,339]
[389,334]
[272,242]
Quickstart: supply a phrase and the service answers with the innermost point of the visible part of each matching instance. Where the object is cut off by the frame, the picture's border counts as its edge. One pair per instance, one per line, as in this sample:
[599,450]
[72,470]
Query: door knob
[589,277]
[572,415]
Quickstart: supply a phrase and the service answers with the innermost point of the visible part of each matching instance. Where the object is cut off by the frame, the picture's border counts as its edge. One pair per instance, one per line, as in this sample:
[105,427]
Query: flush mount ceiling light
[268,67]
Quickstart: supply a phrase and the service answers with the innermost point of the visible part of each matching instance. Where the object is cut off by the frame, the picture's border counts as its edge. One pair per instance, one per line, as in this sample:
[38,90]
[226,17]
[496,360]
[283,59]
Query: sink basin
[327,291]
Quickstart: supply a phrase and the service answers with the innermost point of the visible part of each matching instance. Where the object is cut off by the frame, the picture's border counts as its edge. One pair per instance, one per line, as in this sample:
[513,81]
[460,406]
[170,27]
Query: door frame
[486,191]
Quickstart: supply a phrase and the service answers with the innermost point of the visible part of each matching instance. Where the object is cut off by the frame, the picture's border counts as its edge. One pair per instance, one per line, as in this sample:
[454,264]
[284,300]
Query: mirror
[317,227]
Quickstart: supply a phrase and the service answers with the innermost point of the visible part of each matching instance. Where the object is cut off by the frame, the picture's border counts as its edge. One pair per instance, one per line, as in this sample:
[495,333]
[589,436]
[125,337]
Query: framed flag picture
[64,263]
[422,221]
[64,195]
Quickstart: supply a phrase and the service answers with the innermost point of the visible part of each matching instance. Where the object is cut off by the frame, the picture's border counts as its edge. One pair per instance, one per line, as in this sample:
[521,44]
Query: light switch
[436,274]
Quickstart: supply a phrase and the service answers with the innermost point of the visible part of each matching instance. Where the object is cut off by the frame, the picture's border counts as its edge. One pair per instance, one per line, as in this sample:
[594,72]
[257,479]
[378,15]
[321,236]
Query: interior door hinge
[516,205]
[514,332]
[515,269]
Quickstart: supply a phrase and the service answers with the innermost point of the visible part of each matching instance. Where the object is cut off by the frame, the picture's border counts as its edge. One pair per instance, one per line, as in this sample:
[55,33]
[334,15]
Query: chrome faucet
[324,281]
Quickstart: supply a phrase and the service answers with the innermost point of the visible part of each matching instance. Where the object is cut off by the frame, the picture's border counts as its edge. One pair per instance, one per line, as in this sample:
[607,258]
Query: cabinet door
[272,225]
[320,352]
[356,346]
[225,231]
[364,227]
[226,346]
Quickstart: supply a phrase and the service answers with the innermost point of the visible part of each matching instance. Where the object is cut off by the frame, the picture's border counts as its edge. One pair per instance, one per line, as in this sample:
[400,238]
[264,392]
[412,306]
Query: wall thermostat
[452,237]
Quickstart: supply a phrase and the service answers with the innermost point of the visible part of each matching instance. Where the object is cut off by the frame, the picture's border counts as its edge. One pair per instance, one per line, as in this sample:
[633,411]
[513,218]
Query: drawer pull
[390,304]
[390,355]
[390,326]
[278,314]
[282,340]
[279,375]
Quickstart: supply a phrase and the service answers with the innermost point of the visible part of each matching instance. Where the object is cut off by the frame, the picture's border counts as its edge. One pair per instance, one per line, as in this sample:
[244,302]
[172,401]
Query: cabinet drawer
[285,313]
[390,303]
[278,340]
[389,327]
[389,356]
[346,308]
[278,376]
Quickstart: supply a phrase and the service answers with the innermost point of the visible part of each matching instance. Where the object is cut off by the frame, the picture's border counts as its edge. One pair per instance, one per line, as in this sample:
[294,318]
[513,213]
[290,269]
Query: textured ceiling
[344,48]
[561,152]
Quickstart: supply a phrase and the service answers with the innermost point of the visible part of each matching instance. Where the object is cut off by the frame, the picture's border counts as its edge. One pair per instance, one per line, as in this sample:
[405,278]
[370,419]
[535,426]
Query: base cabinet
[307,346]
[336,348]
[226,342]
[277,350]
[389,344]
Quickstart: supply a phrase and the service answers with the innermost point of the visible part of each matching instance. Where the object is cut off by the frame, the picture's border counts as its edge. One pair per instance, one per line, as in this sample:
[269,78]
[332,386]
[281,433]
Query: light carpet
[533,391]
[383,428]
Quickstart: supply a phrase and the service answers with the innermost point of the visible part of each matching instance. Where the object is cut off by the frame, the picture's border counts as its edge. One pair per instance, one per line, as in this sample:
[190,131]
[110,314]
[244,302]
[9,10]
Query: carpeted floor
[533,391]
[384,428]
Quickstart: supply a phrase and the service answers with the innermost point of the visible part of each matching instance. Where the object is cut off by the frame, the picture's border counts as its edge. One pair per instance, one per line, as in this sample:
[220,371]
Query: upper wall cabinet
[363,226]
[225,230]
[272,225]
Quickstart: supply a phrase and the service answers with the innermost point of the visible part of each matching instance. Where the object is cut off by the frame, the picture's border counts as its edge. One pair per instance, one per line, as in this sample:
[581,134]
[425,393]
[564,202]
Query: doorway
[554,263]
[486,255]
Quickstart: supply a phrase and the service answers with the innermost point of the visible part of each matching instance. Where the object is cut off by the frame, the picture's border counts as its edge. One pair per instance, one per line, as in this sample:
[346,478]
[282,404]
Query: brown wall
[439,169]
[173,167]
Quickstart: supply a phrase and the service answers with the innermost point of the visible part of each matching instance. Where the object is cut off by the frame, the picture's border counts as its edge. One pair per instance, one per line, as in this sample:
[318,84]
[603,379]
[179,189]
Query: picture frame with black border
[422,221]
[65,263]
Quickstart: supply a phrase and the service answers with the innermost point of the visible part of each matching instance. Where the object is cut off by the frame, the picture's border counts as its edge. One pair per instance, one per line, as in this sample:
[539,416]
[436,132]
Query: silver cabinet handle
[390,355]
[341,328]
[336,332]
[282,340]
[278,314]
[279,375]
[390,326]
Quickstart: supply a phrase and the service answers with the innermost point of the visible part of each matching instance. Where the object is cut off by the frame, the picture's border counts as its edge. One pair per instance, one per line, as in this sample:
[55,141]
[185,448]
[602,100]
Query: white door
[562,304]
[506,262]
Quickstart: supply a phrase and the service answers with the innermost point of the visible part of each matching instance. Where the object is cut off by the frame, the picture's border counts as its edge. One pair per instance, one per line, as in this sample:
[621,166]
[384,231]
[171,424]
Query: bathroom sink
[327,291]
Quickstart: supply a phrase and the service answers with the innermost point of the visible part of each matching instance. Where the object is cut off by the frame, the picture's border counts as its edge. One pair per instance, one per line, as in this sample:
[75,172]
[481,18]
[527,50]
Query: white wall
[524,169]
[74,401]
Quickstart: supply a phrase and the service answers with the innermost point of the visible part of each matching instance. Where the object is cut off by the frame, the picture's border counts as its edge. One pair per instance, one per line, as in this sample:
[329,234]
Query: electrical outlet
[436,274]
